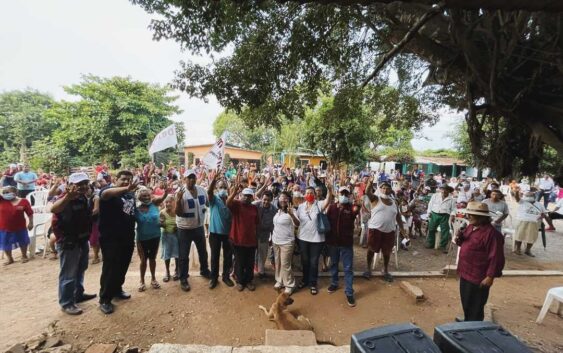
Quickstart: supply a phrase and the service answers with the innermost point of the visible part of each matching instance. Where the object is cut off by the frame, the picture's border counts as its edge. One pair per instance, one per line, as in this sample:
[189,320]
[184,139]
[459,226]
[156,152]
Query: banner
[215,157]
[165,139]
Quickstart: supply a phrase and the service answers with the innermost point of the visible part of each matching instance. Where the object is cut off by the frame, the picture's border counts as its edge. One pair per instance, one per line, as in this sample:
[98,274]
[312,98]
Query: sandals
[7,263]
[314,290]
[142,287]
[175,277]
[301,285]
[166,279]
[529,253]
[155,285]
[24,260]
[387,277]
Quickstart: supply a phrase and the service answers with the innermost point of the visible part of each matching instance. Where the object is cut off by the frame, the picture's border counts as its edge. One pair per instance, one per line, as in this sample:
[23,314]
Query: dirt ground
[224,316]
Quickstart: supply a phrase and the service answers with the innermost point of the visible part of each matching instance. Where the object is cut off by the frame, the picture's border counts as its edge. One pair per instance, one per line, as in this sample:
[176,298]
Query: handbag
[323,224]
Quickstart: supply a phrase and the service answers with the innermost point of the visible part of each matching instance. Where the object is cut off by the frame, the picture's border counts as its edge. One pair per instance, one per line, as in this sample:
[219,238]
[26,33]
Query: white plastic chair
[40,197]
[552,294]
[41,223]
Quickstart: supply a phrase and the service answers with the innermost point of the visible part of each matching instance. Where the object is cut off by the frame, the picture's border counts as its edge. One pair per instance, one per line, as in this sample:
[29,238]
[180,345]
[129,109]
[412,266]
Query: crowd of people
[252,216]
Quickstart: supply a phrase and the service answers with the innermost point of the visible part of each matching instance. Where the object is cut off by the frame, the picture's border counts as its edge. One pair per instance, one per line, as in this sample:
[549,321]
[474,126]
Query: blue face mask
[222,193]
[343,199]
[9,196]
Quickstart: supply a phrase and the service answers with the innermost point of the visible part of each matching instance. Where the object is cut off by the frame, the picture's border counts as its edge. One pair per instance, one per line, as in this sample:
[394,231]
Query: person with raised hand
[117,237]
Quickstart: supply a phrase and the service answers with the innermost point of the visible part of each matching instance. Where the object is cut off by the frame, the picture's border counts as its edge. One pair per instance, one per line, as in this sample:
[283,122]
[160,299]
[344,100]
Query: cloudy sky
[46,44]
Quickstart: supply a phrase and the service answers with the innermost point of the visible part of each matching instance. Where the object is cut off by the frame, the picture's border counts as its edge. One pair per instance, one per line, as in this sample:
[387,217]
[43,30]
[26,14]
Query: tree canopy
[499,60]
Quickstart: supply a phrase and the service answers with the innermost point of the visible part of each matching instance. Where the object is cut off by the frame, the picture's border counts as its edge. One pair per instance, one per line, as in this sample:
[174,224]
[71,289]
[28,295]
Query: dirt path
[224,316]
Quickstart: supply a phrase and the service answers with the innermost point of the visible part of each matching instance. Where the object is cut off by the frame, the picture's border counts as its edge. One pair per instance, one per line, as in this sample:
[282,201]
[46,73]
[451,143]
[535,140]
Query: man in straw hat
[481,259]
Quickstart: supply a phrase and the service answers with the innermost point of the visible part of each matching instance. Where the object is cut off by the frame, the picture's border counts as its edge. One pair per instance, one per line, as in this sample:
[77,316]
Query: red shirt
[11,217]
[244,222]
[341,224]
[481,254]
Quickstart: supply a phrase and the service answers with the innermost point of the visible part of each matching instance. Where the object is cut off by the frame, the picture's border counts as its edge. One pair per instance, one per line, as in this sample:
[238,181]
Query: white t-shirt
[559,206]
[530,212]
[283,229]
[546,184]
[383,217]
[308,222]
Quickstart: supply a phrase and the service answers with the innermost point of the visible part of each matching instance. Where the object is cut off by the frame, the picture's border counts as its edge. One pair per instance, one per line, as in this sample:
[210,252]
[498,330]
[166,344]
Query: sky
[47,44]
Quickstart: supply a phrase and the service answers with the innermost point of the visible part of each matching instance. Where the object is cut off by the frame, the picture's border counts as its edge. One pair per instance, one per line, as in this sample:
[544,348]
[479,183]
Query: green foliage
[50,158]
[241,134]
[114,120]
[22,121]
[441,152]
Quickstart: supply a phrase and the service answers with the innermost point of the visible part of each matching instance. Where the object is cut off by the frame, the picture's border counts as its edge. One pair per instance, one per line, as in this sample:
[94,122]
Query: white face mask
[343,199]
[9,196]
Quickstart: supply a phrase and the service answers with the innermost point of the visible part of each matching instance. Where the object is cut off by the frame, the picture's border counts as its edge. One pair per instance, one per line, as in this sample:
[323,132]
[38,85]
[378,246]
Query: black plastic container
[403,338]
[477,337]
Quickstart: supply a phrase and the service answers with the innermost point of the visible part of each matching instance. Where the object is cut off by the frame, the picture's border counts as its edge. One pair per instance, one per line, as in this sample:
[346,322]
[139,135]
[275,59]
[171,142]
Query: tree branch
[506,5]
[410,34]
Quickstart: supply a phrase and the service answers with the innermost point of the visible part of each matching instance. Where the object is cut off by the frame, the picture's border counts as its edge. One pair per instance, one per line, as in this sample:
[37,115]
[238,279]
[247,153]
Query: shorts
[381,241]
[149,247]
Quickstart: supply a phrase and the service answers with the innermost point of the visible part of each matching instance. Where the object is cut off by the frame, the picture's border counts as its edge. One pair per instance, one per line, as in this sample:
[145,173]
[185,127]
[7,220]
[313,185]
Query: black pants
[185,239]
[555,215]
[244,264]
[216,241]
[310,253]
[473,300]
[117,251]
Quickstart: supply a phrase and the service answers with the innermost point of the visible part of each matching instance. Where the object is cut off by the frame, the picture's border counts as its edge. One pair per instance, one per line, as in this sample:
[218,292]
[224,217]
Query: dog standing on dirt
[283,318]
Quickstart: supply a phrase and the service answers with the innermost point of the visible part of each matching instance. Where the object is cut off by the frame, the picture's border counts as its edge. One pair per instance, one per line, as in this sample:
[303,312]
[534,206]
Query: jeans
[117,251]
[310,253]
[215,243]
[185,238]
[545,196]
[74,263]
[473,300]
[262,255]
[244,264]
[346,254]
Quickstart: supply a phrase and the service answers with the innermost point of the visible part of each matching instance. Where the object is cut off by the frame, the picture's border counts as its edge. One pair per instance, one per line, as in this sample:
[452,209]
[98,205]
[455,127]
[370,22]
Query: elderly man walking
[441,211]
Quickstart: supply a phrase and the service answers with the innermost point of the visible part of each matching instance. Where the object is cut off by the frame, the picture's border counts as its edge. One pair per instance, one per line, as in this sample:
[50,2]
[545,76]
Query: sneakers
[240,287]
[550,229]
[213,283]
[332,288]
[72,310]
[251,287]
[366,275]
[351,301]
[84,297]
[106,308]
[185,286]
[228,282]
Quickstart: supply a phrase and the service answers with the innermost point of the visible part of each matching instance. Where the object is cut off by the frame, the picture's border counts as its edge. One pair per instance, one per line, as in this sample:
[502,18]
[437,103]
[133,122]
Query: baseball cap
[248,191]
[343,188]
[76,178]
[189,172]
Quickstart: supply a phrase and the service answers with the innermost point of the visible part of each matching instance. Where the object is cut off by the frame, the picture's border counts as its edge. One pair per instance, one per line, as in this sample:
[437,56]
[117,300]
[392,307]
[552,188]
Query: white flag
[165,139]
[215,157]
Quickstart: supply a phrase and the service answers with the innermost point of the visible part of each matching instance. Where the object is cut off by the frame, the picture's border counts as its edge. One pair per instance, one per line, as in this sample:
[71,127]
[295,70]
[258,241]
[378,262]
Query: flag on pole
[215,157]
[165,139]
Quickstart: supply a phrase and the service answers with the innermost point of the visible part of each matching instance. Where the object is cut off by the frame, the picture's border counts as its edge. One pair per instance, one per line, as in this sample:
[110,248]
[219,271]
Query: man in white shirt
[465,194]
[545,186]
[557,213]
[441,211]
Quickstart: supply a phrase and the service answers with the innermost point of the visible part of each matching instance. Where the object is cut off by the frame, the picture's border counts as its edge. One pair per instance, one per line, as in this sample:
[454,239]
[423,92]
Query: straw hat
[477,208]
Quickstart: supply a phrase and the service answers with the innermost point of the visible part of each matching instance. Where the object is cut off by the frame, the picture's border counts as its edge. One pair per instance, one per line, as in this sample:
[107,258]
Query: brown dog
[283,318]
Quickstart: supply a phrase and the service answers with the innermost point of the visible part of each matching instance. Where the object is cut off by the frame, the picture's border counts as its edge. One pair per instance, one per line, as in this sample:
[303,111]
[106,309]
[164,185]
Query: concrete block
[413,291]
[450,270]
[16,348]
[293,337]
[101,348]
[190,348]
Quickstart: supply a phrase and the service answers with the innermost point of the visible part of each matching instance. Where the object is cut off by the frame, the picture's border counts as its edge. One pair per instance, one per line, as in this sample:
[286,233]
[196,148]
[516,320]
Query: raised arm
[233,194]
[158,200]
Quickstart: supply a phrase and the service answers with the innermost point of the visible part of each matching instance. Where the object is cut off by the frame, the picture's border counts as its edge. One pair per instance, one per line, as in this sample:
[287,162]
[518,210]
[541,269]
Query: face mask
[9,196]
[309,198]
[146,202]
[343,199]
[222,193]
[529,199]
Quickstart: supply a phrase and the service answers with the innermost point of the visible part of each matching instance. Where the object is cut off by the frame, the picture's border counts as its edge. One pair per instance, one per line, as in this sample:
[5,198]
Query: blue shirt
[23,176]
[148,223]
[220,216]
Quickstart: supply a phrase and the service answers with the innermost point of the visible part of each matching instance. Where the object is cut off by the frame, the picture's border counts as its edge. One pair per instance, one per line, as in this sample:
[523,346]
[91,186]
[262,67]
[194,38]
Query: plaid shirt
[481,254]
